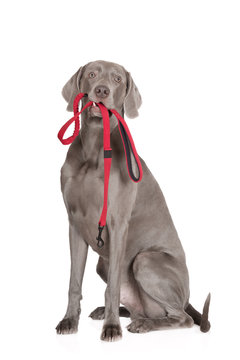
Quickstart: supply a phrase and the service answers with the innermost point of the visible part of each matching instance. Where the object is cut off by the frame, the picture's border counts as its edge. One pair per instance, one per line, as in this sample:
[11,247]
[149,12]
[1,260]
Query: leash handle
[129,147]
[75,118]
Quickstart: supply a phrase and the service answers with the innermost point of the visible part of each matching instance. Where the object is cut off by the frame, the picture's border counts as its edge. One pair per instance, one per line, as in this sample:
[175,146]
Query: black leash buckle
[100,241]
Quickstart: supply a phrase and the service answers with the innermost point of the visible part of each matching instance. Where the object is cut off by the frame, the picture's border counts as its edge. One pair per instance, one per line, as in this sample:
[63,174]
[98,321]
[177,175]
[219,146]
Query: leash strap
[107,167]
[75,118]
[128,145]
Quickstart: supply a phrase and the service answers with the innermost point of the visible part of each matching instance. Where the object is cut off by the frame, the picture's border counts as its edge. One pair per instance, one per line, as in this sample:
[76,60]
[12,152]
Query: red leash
[127,143]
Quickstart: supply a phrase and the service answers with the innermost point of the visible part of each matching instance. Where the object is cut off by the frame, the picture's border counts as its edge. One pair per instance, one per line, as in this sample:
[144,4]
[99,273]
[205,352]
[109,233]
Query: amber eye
[91,75]
[118,79]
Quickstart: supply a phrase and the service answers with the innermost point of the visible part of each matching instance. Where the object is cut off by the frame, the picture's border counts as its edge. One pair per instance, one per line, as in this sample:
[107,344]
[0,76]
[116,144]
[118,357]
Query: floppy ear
[133,98]
[72,88]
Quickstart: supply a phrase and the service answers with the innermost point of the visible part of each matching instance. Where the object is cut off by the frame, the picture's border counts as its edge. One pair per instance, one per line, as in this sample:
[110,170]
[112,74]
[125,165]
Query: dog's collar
[128,144]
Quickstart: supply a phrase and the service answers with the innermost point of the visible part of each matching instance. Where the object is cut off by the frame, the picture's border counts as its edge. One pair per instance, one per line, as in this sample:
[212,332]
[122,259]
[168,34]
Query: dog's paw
[140,326]
[111,332]
[98,313]
[67,326]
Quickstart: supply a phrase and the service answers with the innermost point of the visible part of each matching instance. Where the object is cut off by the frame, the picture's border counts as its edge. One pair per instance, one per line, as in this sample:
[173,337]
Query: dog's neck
[91,137]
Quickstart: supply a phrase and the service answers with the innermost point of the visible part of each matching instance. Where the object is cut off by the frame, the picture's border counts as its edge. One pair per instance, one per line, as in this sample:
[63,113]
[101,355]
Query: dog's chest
[83,197]
[83,193]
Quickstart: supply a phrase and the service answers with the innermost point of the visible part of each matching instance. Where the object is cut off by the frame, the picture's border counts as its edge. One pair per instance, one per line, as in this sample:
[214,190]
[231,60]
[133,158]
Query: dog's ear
[72,88]
[133,100]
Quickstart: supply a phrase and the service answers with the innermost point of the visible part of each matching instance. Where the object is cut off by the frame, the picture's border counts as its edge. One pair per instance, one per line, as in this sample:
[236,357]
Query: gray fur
[142,261]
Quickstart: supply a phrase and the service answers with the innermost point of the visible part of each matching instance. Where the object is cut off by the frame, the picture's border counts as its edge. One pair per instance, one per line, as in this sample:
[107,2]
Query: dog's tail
[201,320]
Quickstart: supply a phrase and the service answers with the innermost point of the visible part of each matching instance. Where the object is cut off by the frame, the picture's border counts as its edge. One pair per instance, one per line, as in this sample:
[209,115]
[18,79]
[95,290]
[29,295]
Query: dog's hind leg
[168,322]
[163,288]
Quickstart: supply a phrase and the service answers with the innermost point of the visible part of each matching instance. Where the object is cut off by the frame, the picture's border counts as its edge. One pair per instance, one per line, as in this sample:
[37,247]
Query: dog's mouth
[94,110]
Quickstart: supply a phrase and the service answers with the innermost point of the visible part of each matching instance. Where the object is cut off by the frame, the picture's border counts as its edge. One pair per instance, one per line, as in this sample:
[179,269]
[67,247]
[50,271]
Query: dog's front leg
[78,249]
[117,236]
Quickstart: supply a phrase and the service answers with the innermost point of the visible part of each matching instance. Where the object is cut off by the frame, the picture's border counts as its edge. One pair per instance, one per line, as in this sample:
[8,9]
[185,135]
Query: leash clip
[100,241]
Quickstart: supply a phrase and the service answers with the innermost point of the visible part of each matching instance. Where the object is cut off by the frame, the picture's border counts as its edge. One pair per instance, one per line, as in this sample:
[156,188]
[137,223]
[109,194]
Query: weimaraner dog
[142,261]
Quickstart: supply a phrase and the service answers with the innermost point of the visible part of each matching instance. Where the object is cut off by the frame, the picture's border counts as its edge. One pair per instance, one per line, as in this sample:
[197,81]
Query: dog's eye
[91,75]
[118,79]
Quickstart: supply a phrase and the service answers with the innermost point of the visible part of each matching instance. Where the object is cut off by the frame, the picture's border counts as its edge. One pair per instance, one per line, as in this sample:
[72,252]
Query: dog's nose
[102,91]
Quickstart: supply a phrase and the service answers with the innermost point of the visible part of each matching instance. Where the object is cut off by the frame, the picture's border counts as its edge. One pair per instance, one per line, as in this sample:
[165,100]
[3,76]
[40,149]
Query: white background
[184,57]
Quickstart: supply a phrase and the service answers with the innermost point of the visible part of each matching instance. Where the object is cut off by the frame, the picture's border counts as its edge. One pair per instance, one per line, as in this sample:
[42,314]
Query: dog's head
[104,82]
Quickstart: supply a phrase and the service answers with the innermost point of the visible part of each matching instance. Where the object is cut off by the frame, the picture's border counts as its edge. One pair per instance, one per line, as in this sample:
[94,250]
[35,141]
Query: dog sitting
[142,261]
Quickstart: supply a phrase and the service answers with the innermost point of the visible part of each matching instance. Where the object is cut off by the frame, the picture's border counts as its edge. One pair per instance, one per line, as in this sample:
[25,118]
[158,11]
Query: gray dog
[142,261]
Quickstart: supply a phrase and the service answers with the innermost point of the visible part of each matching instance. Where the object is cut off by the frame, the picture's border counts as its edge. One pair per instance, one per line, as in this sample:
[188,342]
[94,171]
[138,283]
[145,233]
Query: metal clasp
[100,241]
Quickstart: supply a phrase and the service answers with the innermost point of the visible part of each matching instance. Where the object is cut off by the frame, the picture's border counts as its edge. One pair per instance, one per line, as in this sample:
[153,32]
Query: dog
[142,262]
